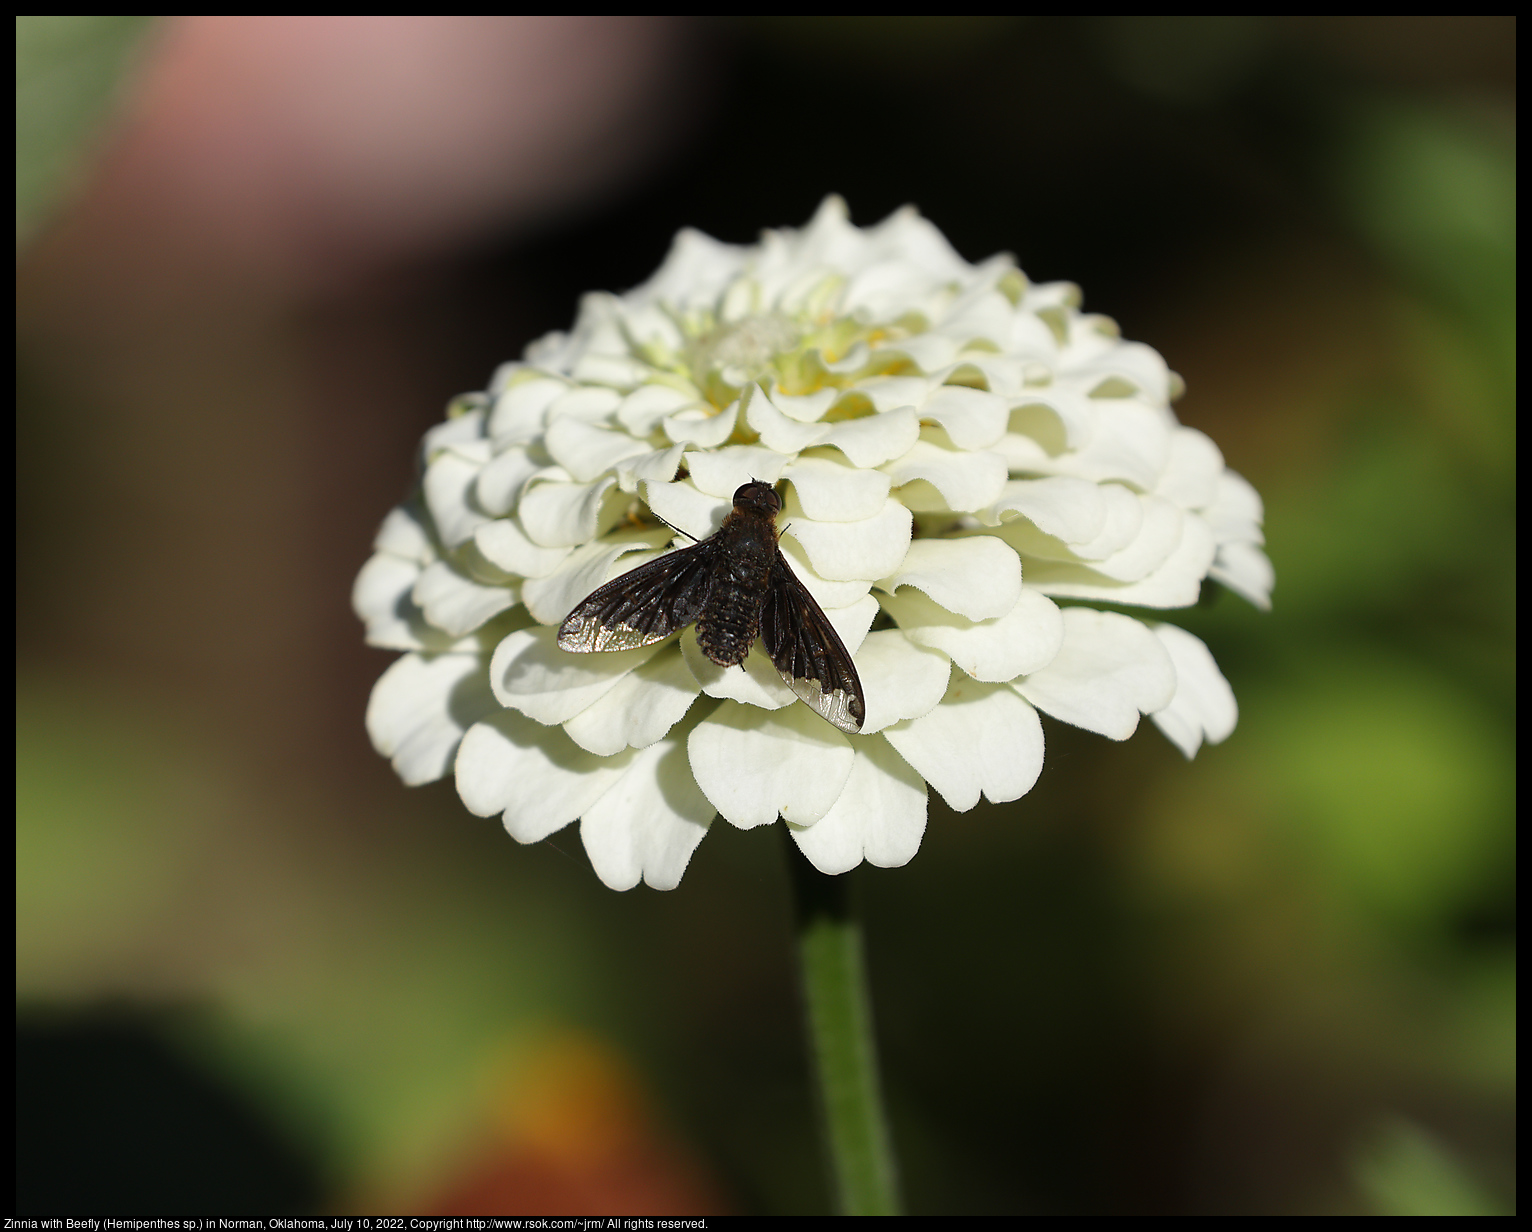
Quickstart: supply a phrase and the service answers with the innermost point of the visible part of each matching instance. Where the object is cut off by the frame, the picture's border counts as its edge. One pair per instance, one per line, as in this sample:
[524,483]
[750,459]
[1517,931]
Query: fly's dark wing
[808,652]
[643,605]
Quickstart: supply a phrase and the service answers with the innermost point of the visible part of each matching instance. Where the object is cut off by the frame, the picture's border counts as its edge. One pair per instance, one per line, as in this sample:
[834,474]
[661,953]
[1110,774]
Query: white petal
[1024,640]
[463,433]
[381,596]
[1204,706]
[1159,534]
[984,314]
[973,418]
[1191,475]
[808,408]
[521,411]
[1131,441]
[702,426]
[754,765]
[446,486]
[1134,362]
[778,431]
[553,597]
[564,514]
[890,392]
[982,738]
[901,680]
[853,621]
[1109,669]
[697,265]
[639,710]
[380,584]
[964,482]
[1122,522]
[856,551]
[931,353]
[755,682]
[880,816]
[647,825]
[1071,510]
[404,534]
[1245,570]
[721,472]
[420,708]
[681,505]
[978,576]
[504,543]
[1235,512]
[457,604]
[585,450]
[590,403]
[643,410]
[828,491]
[656,466]
[1176,583]
[498,485]
[872,440]
[534,775]
[531,674]
[826,593]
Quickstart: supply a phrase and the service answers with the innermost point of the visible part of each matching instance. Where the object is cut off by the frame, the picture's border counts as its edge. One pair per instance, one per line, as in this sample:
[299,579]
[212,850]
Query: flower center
[743,350]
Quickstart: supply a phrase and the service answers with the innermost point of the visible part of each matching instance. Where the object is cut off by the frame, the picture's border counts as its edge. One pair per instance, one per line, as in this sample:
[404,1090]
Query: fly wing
[808,652]
[643,605]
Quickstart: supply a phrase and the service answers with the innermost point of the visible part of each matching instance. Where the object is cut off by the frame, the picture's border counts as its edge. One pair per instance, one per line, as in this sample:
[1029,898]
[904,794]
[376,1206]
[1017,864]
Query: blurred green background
[256,971]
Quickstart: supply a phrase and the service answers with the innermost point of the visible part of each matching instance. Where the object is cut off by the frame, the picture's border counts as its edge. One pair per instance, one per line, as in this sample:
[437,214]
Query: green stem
[839,1014]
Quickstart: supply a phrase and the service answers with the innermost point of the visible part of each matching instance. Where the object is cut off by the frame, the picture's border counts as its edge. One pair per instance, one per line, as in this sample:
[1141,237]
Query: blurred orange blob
[571,1133]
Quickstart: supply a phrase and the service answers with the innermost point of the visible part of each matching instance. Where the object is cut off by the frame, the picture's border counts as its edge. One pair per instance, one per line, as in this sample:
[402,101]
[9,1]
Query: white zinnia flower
[962,451]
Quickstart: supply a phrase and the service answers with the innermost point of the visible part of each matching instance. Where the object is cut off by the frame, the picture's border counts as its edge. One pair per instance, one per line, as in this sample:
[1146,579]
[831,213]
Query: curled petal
[777,430]
[828,491]
[536,777]
[505,544]
[559,515]
[875,439]
[978,577]
[520,412]
[1024,640]
[552,597]
[1191,475]
[856,551]
[455,603]
[758,684]
[586,450]
[420,708]
[531,674]
[973,418]
[1204,706]
[1110,669]
[902,680]
[448,485]
[983,738]
[719,473]
[965,481]
[754,766]
[880,816]
[1175,583]
[649,822]
[638,710]
[1246,570]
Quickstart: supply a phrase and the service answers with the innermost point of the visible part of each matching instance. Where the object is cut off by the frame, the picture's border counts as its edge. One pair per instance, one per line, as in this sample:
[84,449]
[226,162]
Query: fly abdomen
[731,620]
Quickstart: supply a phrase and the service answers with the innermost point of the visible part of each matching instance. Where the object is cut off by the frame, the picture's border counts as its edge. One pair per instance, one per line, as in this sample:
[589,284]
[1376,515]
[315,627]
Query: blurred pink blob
[307,148]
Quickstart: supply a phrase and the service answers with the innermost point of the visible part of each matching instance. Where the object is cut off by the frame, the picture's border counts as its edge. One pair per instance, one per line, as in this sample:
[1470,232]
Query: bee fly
[735,584]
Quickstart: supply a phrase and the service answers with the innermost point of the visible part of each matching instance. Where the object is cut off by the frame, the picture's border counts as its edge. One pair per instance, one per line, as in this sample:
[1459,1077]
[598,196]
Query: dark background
[1276,980]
